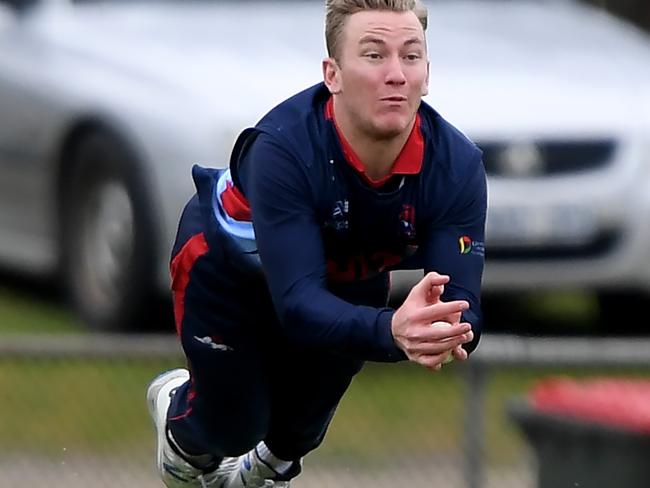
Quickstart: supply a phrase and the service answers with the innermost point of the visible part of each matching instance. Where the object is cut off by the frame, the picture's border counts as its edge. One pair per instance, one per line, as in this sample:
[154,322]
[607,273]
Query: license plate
[532,226]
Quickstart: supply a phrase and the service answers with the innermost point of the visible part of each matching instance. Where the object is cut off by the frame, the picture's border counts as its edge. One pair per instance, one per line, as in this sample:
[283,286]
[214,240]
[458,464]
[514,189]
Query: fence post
[475,382]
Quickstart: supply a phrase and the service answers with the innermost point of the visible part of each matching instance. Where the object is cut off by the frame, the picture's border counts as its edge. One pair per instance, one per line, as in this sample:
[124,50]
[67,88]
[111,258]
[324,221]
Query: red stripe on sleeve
[181,266]
[235,204]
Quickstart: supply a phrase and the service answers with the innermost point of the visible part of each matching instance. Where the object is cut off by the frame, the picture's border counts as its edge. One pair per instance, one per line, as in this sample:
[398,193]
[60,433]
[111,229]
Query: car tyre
[622,312]
[108,242]
[501,312]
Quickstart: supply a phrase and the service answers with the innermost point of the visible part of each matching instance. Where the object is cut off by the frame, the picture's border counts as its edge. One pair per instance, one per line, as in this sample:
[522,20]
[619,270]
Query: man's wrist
[391,350]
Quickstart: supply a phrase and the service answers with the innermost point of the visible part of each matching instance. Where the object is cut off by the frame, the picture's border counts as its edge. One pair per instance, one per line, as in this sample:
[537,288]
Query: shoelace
[256,480]
[272,484]
[204,484]
[227,465]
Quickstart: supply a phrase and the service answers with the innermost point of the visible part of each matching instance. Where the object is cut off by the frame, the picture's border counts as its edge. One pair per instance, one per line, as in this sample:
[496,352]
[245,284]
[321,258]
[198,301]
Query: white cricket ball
[450,357]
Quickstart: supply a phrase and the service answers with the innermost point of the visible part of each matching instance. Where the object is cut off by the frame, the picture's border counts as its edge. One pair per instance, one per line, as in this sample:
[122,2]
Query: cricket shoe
[253,472]
[175,470]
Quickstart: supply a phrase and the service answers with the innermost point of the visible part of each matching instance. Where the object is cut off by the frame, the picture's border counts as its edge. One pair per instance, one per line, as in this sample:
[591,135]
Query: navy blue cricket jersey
[297,223]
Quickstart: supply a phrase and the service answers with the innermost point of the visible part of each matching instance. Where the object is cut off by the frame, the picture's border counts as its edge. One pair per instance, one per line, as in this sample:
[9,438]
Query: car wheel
[501,312]
[622,312]
[107,242]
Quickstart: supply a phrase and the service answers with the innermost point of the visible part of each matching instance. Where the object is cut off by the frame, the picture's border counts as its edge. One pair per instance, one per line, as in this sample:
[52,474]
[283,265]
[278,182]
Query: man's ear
[425,85]
[332,75]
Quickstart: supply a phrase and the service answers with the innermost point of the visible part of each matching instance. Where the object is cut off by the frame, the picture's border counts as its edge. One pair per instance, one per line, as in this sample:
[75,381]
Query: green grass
[397,406]
[87,406]
[21,313]
[97,406]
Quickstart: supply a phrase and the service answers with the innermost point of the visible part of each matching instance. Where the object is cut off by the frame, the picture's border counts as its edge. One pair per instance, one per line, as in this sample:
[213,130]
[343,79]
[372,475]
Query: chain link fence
[74,414]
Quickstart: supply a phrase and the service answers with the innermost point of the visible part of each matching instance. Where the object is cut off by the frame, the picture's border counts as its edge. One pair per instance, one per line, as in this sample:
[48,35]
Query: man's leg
[220,409]
[224,408]
[177,468]
[304,401]
[306,387]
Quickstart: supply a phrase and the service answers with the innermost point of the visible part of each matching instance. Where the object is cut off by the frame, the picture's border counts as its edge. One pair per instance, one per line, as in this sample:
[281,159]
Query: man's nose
[395,72]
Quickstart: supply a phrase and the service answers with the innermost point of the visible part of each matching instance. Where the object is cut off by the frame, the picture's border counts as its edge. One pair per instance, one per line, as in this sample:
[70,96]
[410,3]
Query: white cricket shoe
[174,470]
[252,472]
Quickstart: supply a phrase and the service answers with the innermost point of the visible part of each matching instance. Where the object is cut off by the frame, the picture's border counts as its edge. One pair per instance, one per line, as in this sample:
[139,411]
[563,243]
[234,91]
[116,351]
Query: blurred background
[106,104]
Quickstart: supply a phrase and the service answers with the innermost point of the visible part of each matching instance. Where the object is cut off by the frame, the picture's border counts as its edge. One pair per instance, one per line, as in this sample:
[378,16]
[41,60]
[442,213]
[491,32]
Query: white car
[558,97]
[105,105]
[104,108]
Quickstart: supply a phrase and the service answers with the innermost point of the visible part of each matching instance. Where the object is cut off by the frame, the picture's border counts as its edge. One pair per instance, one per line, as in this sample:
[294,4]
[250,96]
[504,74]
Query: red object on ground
[618,403]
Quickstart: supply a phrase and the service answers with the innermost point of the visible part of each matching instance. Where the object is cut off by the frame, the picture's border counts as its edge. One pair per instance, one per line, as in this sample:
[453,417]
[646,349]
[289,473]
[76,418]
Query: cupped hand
[411,325]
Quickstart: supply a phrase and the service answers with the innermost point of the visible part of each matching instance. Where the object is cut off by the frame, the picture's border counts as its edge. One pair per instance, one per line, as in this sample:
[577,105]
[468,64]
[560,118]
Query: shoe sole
[159,420]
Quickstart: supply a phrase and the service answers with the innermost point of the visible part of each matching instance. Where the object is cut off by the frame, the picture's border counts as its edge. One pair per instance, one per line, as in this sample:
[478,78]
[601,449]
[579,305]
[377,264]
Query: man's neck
[376,155]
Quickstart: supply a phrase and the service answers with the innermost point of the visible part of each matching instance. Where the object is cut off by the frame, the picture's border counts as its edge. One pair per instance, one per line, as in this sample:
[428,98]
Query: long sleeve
[455,246]
[291,249]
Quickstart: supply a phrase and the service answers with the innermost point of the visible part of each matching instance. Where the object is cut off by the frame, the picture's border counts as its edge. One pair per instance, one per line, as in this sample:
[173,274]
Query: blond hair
[339,10]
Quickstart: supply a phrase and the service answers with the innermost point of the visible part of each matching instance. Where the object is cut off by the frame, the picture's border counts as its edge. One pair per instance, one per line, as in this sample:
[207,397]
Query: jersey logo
[407,221]
[214,343]
[340,215]
[469,246]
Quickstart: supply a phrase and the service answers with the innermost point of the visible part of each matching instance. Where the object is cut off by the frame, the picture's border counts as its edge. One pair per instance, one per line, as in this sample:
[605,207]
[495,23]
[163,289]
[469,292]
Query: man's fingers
[430,333]
[470,336]
[438,311]
[432,362]
[433,349]
[428,346]
[459,353]
[433,278]
[429,341]
[435,292]
[430,285]
[453,318]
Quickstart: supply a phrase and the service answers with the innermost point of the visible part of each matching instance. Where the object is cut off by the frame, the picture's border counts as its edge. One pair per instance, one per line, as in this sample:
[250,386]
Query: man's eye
[372,55]
[413,57]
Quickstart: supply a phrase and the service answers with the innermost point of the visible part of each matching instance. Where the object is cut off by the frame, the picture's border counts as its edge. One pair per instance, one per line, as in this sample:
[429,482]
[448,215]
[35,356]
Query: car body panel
[179,80]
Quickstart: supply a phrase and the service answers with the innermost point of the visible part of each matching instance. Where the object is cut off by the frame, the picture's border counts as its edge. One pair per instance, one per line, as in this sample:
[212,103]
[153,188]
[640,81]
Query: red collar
[408,162]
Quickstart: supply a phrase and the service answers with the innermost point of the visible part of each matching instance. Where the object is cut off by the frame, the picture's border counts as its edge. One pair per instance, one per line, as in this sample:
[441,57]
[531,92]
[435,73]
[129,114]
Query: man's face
[382,72]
